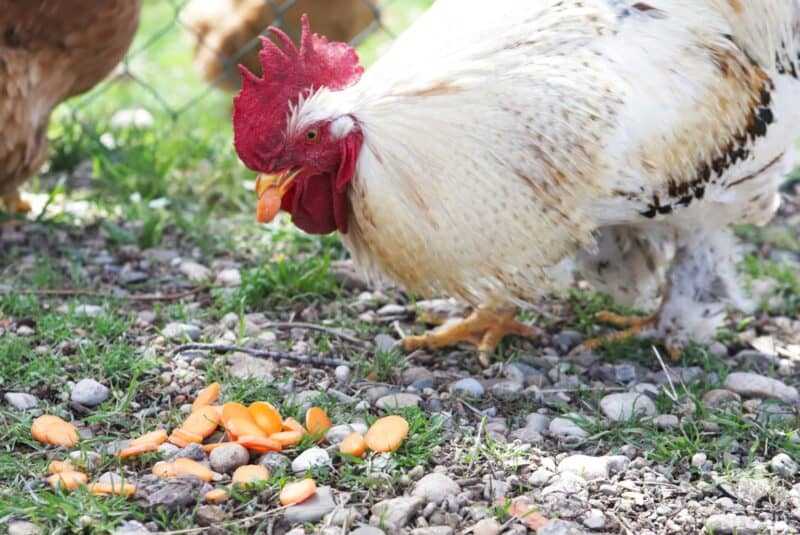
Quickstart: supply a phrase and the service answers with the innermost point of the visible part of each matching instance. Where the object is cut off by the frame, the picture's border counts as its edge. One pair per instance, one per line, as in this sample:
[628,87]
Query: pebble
[594,519]
[394,514]
[276,463]
[168,451]
[759,386]
[342,516]
[622,407]
[398,401]
[722,399]
[487,526]
[385,343]
[228,458]
[527,435]
[699,459]
[468,387]
[507,390]
[342,374]
[367,530]
[89,311]
[540,477]
[593,468]
[24,330]
[337,433]
[21,401]
[88,460]
[313,509]
[131,527]
[729,524]
[560,527]
[435,488]
[417,375]
[784,466]
[89,393]
[210,515]
[433,530]
[537,422]
[191,451]
[22,527]
[666,421]
[195,272]
[179,332]
[309,459]
[229,278]
[566,428]
[176,493]
[243,366]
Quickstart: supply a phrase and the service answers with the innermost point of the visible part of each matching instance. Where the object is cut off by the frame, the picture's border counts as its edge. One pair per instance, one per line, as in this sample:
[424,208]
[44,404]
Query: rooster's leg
[15,204]
[484,329]
[632,326]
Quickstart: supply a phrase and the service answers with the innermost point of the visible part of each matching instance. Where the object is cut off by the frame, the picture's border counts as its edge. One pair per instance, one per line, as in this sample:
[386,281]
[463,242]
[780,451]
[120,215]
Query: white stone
[309,459]
[755,385]
[89,392]
[625,406]
[435,488]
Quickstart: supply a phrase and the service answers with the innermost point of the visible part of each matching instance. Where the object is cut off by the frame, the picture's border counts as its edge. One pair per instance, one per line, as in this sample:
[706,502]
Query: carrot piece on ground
[259,444]
[49,429]
[290,424]
[266,417]
[298,491]
[386,434]
[354,445]
[317,421]
[216,496]
[287,438]
[250,473]
[206,396]
[69,480]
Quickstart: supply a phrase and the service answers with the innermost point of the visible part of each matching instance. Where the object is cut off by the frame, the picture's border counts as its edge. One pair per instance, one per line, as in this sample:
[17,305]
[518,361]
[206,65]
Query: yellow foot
[483,329]
[15,204]
[631,326]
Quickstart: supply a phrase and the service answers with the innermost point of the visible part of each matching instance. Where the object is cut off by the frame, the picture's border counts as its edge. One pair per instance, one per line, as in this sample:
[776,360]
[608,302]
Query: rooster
[489,147]
[50,51]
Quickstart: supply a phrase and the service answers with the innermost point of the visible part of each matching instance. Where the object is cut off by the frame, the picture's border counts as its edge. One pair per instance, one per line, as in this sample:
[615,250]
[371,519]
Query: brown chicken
[50,51]
[224,31]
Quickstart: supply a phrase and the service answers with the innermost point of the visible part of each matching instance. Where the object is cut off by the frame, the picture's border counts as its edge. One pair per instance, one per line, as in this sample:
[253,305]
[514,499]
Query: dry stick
[272,355]
[315,327]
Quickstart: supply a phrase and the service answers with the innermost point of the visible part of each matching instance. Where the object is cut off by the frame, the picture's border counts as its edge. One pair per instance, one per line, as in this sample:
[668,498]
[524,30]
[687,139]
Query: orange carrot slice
[204,421]
[387,433]
[106,489]
[188,467]
[238,421]
[287,438]
[69,480]
[266,417]
[298,492]
[216,496]
[49,429]
[182,438]
[163,469]
[234,410]
[57,467]
[158,437]
[290,424]
[317,421]
[259,444]
[138,449]
[354,445]
[250,473]
[206,396]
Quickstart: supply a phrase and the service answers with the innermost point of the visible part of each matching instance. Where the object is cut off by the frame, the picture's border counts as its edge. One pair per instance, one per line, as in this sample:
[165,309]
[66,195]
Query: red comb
[262,106]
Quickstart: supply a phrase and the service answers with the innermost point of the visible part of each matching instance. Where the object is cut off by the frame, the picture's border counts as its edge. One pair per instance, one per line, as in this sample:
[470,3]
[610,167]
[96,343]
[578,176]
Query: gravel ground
[546,440]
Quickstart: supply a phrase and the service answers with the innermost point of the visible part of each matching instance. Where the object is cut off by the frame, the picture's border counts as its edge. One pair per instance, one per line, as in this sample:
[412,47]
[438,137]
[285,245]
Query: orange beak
[270,190]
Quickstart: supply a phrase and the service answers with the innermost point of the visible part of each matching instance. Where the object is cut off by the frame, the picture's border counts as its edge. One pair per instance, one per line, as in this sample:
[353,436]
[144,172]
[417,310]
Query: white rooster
[494,142]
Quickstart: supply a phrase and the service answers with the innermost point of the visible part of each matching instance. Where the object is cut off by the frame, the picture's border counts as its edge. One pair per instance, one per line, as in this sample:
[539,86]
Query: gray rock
[537,422]
[565,428]
[374,393]
[168,451]
[487,526]
[311,458]
[210,515]
[433,530]
[435,488]
[342,374]
[243,366]
[311,510]
[759,386]
[527,435]
[507,390]
[467,387]
[175,493]
[666,421]
[540,477]
[687,375]
[89,392]
[783,466]
[180,332]
[394,514]
[343,516]
[22,527]
[417,375]
[131,527]
[228,458]
[337,433]
[594,519]
[398,401]
[85,459]
[367,530]
[566,340]
[21,401]
[593,468]
[276,463]
[561,527]
[384,343]
[192,451]
[195,272]
[229,278]
[730,524]
[625,406]
[722,399]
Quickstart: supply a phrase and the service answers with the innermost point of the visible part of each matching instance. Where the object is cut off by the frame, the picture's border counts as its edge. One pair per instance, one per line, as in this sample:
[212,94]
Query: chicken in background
[222,30]
[490,146]
[51,51]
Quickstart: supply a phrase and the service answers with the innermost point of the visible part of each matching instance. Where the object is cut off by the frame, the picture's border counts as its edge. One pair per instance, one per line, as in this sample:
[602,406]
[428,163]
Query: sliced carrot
[204,421]
[242,427]
[234,410]
[69,480]
[287,438]
[317,421]
[216,496]
[206,396]
[182,438]
[290,424]
[354,445]
[250,473]
[164,469]
[106,489]
[298,492]
[266,417]
[138,449]
[56,467]
[49,429]
[188,467]
[158,437]
[259,444]
[386,434]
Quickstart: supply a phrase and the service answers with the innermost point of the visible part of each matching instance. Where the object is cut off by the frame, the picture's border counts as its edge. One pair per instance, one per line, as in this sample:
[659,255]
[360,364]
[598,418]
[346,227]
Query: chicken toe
[14,203]
[483,328]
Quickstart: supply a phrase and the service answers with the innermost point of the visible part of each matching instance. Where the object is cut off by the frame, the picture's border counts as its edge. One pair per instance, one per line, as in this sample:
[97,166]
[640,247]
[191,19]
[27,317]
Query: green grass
[787,283]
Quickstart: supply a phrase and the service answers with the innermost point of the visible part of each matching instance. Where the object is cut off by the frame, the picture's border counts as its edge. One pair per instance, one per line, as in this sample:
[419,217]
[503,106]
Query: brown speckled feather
[50,51]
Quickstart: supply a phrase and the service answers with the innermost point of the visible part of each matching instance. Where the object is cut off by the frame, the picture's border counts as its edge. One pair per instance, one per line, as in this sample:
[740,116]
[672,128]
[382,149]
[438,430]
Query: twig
[668,374]
[315,327]
[82,292]
[272,355]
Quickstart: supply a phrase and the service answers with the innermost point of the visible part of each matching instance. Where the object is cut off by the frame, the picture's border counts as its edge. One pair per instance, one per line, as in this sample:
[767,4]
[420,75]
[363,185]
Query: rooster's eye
[312,135]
